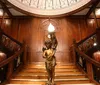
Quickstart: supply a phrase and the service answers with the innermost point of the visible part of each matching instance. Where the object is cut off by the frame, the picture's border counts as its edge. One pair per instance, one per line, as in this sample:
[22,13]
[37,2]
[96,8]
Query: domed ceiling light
[49,7]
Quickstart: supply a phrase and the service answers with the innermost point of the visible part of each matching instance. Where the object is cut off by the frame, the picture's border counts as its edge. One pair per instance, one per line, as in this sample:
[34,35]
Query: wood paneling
[33,31]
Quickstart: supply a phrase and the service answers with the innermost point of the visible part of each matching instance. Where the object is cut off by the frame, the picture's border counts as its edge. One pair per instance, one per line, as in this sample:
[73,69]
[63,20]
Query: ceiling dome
[49,7]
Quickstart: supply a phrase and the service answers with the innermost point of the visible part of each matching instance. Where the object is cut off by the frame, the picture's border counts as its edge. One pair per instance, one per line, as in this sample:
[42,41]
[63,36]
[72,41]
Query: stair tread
[68,73]
[55,79]
[23,84]
[43,66]
[79,84]
[45,74]
[60,84]
[43,82]
[56,70]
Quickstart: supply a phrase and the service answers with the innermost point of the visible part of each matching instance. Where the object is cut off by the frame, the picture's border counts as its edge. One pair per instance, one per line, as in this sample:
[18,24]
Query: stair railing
[16,56]
[88,65]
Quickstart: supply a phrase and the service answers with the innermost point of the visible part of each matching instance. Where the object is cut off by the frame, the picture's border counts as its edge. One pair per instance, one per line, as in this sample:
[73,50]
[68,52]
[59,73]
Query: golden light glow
[51,28]
[91,21]
[7,22]
[95,44]
[49,36]
[98,12]
[1,12]
[2,54]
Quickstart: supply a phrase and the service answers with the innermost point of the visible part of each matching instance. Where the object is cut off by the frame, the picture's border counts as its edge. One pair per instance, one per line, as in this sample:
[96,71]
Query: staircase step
[43,82]
[67,73]
[43,66]
[24,84]
[45,76]
[34,74]
[60,84]
[40,73]
[79,84]
[44,70]
[56,80]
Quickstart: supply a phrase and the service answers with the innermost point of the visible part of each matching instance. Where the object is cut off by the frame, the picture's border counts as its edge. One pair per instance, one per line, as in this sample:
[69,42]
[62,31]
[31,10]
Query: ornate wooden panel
[33,31]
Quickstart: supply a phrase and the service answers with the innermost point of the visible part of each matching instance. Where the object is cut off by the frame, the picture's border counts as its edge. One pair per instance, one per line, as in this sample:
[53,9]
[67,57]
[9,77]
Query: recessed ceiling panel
[49,7]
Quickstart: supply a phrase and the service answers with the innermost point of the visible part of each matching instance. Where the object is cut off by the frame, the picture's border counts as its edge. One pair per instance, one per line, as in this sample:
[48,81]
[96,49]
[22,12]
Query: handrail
[86,38]
[12,64]
[87,57]
[11,38]
[87,64]
[6,61]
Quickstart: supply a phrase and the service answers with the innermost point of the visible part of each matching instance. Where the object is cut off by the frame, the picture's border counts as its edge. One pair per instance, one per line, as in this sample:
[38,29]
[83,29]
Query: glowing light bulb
[51,28]
[95,44]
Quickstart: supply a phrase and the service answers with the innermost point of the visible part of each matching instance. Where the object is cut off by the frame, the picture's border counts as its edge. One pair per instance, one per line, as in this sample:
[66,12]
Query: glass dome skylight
[49,7]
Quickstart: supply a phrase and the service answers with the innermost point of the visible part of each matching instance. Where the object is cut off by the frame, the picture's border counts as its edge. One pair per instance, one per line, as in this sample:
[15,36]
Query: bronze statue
[53,40]
[50,60]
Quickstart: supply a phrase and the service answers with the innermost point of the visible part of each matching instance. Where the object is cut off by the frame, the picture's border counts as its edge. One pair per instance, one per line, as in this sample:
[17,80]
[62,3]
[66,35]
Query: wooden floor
[35,74]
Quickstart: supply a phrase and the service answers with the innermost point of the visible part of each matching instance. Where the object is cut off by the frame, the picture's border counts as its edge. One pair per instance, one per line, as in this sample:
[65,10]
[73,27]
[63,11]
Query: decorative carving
[88,44]
[8,43]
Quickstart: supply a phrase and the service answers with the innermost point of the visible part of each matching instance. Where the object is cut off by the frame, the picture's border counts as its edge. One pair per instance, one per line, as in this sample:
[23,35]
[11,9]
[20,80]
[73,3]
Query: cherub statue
[50,62]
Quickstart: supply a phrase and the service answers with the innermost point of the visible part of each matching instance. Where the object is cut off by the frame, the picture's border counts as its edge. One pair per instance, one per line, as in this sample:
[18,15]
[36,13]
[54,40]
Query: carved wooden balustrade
[15,56]
[87,63]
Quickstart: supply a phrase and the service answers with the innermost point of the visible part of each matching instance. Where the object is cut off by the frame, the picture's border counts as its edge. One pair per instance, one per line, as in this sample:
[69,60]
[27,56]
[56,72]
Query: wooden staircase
[35,74]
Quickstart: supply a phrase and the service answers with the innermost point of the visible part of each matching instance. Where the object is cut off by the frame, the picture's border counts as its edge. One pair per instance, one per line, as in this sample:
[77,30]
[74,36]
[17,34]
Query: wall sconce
[97,12]
[91,21]
[51,28]
[1,12]
[7,22]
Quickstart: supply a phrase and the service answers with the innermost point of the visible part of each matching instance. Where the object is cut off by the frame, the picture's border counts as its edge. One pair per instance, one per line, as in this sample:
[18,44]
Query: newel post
[89,70]
[10,70]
